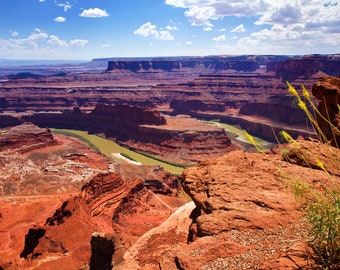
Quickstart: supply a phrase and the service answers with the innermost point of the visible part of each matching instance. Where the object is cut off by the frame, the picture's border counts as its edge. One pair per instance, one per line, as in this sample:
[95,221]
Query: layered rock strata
[178,139]
[25,137]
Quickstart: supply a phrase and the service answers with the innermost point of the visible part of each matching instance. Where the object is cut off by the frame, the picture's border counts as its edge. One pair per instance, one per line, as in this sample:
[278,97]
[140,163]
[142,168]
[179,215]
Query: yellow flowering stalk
[321,166]
[305,92]
[284,135]
[292,90]
[303,106]
[252,141]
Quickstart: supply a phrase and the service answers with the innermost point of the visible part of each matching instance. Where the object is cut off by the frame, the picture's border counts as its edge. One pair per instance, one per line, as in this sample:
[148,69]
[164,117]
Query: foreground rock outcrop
[61,203]
[94,228]
[246,216]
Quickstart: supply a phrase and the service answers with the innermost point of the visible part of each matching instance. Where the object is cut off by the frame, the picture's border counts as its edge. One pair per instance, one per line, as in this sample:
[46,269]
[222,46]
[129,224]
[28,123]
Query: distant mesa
[285,67]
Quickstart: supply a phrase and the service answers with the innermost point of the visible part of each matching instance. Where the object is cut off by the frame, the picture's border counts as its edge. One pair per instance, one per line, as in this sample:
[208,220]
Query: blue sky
[83,29]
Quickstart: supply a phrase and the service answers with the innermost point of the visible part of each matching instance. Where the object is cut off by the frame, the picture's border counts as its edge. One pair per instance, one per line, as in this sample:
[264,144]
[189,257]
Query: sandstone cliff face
[122,121]
[205,64]
[183,140]
[185,104]
[277,112]
[114,121]
[327,90]
[291,69]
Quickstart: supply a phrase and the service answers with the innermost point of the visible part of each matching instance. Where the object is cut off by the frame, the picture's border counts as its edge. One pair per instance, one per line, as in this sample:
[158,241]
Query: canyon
[65,205]
[234,88]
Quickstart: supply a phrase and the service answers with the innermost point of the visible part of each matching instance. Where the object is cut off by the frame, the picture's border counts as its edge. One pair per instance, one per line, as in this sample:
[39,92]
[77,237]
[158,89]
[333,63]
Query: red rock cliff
[327,90]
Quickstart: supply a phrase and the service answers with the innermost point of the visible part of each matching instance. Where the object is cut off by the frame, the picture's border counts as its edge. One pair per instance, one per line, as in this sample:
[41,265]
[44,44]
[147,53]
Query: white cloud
[55,41]
[149,29]
[41,44]
[176,3]
[106,45]
[219,38]
[201,12]
[78,42]
[208,27]
[171,28]
[40,1]
[238,29]
[94,13]
[37,35]
[14,33]
[60,19]
[66,5]
[312,22]
[164,35]
[200,15]
[189,42]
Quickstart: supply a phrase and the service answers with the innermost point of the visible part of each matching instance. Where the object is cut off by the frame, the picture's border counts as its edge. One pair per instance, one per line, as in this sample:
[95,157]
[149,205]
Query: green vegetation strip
[109,148]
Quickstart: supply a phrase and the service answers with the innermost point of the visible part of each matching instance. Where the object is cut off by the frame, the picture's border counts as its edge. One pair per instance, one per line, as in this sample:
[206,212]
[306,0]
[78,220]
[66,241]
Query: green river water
[122,154]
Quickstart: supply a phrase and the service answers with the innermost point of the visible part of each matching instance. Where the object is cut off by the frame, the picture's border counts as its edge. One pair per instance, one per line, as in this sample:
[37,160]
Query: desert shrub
[324,216]
[322,207]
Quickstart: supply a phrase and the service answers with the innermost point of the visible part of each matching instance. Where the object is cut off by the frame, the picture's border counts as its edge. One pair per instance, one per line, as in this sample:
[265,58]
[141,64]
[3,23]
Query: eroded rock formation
[96,227]
[205,64]
[25,137]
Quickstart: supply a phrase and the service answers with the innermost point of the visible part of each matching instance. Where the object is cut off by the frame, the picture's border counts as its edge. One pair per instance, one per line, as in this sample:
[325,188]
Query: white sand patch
[119,156]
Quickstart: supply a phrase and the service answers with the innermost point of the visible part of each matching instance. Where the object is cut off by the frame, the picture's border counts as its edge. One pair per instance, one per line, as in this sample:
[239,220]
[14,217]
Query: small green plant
[324,216]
